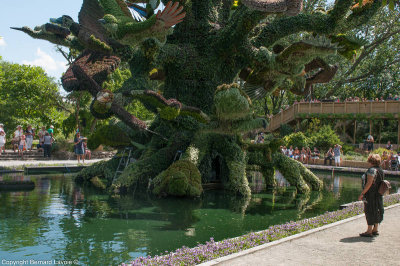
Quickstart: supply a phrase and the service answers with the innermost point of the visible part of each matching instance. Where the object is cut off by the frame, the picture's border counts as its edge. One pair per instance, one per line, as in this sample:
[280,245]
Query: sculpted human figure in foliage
[201,111]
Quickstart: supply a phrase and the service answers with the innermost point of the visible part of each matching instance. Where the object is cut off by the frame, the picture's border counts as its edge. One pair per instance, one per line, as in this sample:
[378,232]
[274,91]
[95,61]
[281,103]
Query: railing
[293,111]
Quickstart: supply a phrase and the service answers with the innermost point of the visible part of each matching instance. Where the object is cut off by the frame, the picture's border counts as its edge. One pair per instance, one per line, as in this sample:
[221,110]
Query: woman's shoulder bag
[384,186]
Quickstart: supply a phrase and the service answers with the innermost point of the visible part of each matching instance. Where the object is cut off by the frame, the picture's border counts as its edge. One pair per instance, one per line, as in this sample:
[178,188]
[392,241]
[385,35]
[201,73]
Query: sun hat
[51,126]
[19,126]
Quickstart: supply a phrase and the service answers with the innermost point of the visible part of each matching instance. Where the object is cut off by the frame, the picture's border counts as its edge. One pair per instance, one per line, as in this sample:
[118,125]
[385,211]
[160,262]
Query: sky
[18,47]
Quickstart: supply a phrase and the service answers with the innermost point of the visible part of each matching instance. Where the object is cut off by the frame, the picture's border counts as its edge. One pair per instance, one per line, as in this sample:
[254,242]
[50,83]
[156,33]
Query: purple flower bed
[212,250]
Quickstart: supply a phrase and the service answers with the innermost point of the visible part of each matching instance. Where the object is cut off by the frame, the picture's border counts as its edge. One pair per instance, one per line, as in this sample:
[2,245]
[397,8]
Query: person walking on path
[2,140]
[17,137]
[336,152]
[47,143]
[29,134]
[373,201]
[78,148]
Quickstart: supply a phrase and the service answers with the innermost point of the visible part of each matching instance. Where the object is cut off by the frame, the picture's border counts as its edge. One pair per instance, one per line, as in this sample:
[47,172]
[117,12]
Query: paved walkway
[337,245]
[348,169]
[11,164]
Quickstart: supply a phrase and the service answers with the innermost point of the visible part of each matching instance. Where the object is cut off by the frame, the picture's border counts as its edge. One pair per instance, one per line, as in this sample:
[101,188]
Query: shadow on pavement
[355,239]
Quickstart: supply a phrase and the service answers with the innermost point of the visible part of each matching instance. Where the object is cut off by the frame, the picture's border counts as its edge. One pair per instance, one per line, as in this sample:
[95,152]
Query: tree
[374,71]
[28,96]
[200,112]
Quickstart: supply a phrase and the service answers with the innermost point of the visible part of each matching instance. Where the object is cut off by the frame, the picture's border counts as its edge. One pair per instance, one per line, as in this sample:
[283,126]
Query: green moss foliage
[98,183]
[103,170]
[110,135]
[230,104]
[182,178]
[287,167]
[312,180]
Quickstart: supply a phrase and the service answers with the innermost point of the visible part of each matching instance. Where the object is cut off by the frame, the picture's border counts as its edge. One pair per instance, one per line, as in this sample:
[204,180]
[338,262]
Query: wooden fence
[332,109]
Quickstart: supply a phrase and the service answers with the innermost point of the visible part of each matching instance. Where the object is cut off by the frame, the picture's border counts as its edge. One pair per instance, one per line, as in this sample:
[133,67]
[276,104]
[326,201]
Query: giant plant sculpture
[200,113]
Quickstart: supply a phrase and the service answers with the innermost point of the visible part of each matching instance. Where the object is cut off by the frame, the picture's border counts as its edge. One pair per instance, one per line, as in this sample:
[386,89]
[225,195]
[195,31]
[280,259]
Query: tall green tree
[375,70]
[28,96]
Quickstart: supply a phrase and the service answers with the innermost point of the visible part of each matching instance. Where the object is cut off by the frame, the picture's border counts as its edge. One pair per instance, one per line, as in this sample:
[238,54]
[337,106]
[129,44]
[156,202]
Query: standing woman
[79,149]
[47,143]
[29,134]
[17,137]
[373,201]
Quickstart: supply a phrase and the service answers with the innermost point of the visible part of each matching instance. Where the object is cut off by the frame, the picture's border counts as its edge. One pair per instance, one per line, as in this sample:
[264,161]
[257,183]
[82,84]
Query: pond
[59,220]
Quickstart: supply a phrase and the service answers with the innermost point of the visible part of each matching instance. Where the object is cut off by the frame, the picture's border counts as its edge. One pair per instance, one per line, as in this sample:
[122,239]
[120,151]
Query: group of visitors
[381,99]
[333,154]
[390,160]
[305,155]
[22,140]
[308,101]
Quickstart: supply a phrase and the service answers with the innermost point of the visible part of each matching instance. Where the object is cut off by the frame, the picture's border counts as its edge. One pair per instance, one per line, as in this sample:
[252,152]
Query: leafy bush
[347,148]
[297,139]
[62,144]
[324,138]
[353,153]
[380,151]
[285,130]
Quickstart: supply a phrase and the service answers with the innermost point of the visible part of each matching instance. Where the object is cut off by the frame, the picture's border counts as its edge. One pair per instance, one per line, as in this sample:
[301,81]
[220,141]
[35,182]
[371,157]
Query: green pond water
[59,220]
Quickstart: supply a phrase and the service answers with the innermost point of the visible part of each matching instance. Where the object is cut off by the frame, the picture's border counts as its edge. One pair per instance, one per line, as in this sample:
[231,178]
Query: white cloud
[2,42]
[47,62]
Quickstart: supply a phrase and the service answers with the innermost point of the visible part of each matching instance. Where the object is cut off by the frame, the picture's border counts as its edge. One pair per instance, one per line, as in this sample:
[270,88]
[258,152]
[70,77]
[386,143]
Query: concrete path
[337,245]
[18,163]
[348,169]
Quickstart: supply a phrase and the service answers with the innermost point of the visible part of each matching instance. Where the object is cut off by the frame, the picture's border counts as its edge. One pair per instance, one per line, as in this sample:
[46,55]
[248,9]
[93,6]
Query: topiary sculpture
[195,114]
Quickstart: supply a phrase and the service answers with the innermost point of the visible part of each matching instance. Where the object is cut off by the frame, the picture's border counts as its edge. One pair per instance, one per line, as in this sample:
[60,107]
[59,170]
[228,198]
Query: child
[21,146]
[2,140]
[88,153]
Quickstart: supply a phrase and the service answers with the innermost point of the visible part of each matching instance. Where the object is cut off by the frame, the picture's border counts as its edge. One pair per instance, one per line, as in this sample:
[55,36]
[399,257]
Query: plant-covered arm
[235,34]
[335,21]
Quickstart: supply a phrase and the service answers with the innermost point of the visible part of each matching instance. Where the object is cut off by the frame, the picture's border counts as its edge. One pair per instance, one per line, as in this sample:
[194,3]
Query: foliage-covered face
[110,23]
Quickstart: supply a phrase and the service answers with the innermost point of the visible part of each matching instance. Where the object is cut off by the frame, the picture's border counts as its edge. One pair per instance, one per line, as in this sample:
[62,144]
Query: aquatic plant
[212,250]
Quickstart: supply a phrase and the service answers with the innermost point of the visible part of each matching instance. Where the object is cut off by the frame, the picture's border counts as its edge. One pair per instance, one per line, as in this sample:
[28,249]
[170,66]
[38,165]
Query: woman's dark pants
[47,150]
[328,158]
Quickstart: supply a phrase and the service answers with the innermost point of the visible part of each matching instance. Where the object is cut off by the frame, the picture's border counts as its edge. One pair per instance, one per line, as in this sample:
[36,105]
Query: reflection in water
[60,220]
